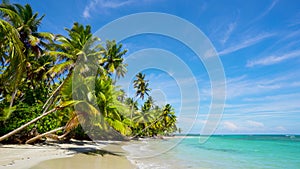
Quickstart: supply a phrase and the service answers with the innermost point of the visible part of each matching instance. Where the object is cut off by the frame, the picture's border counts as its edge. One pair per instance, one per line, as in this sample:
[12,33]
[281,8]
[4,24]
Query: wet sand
[110,157]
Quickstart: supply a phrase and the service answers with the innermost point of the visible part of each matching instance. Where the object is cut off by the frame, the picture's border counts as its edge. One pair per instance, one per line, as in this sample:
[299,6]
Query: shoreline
[75,154]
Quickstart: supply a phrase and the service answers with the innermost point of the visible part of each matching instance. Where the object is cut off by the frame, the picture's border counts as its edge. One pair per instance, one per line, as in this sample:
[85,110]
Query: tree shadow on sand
[94,151]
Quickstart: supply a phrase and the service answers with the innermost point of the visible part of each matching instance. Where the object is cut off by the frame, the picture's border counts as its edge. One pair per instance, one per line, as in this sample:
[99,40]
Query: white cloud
[255,124]
[246,43]
[210,53]
[244,86]
[267,11]
[280,128]
[104,4]
[273,59]
[294,23]
[276,97]
[230,126]
[230,29]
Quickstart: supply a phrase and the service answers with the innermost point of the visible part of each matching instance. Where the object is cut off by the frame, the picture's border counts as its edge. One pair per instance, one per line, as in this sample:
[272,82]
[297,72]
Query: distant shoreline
[237,135]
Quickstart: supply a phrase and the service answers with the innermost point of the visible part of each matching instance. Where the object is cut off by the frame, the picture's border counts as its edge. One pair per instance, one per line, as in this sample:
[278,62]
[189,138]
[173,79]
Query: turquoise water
[226,152]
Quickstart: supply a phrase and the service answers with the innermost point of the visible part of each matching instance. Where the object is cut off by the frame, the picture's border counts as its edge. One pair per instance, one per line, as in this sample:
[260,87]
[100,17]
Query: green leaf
[7,112]
[69,103]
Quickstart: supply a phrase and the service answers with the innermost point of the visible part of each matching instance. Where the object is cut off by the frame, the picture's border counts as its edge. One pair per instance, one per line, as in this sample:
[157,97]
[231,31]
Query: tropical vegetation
[47,88]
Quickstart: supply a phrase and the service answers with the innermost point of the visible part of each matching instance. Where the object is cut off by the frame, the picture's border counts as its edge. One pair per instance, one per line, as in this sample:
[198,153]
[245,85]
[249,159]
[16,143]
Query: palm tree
[150,101]
[143,119]
[168,119]
[112,60]
[66,54]
[132,103]
[110,107]
[141,86]
[23,59]
[26,23]
[148,104]
[120,71]
[70,48]
[11,52]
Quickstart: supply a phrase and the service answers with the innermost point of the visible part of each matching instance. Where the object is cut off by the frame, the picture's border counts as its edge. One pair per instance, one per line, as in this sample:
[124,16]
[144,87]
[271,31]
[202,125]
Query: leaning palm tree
[22,51]
[111,109]
[11,52]
[67,53]
[25,51]
[69,49]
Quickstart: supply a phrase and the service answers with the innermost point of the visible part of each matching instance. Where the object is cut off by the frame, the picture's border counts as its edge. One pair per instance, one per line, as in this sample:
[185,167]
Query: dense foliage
[37,81]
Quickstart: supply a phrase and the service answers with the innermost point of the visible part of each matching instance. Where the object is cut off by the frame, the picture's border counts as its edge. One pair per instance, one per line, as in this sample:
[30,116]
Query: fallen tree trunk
[44,134]
[26,125]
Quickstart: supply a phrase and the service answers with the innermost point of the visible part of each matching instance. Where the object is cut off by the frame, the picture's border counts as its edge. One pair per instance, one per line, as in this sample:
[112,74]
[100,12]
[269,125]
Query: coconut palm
[11,52]
[120,71]
[112,60]
[23,60]
[67,53]
[168,119]
[143,119]
[111,109]
[141,86]
[37,71]
[132,103]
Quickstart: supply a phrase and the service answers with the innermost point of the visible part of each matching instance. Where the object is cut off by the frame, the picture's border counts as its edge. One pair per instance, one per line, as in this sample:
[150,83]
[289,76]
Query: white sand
[110,157]
[27,156]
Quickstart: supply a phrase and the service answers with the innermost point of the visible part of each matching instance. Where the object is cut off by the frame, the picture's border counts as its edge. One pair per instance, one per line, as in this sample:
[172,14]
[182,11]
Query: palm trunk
[52,97]
[13,98]
[64,135]
[45,112]
[44,134]
[25,125]
[132,107]
[55,93]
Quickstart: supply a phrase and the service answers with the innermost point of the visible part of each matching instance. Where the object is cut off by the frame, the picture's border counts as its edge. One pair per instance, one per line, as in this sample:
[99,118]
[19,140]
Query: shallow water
[234,151]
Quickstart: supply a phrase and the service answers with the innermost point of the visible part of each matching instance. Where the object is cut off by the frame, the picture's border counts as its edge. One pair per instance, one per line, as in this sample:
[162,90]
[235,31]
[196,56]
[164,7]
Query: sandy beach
[75,155]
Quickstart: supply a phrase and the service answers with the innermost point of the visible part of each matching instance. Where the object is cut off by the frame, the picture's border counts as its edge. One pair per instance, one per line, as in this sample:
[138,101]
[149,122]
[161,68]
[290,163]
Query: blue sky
[258,43]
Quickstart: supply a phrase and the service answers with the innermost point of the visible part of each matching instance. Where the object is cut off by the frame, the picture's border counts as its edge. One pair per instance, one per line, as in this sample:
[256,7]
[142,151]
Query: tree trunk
[64,135]
[25,125]
[13,98]
[52,97]
[42,135]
